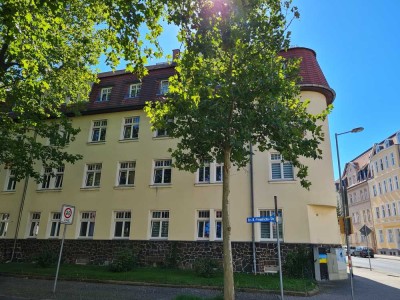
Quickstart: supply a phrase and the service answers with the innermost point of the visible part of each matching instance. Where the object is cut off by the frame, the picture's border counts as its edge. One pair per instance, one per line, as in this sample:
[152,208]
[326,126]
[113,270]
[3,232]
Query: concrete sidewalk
[387,256]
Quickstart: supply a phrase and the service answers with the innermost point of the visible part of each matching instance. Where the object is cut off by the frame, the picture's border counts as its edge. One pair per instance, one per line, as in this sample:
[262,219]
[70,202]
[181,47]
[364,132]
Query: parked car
[364,252]
[352,249]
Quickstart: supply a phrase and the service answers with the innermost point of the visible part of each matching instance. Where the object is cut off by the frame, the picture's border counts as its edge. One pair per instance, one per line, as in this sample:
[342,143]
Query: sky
[357,44]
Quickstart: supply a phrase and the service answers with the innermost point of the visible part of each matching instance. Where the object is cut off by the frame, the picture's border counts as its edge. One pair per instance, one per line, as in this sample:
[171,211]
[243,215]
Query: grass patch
[158,275]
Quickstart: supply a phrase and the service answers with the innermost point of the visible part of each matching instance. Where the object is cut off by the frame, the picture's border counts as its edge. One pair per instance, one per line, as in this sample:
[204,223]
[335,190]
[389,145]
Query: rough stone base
[151,253]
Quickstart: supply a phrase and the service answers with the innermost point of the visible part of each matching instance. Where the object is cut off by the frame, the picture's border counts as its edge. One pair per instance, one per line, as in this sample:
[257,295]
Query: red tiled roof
[313,78]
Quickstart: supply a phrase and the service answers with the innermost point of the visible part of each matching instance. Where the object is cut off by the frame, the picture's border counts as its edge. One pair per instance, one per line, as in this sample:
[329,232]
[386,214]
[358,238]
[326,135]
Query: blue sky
[357,44]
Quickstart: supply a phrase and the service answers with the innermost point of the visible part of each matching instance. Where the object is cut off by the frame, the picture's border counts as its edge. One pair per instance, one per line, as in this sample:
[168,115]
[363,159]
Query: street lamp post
[345,205]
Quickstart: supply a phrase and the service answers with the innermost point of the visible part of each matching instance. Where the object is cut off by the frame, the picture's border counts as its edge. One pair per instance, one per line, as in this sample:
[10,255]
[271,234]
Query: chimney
[175,54]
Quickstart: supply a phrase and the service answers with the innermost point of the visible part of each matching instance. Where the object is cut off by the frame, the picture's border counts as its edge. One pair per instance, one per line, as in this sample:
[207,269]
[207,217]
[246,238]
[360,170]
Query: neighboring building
[373,192]
[356,176]
[126,192]
[385,194]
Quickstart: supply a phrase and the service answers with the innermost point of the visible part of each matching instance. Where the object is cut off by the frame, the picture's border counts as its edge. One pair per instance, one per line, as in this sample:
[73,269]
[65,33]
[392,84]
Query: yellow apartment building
[127,194]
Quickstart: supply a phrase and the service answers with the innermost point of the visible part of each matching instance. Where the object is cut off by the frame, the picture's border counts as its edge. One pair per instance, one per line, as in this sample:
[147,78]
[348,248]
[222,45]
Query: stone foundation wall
[150,253]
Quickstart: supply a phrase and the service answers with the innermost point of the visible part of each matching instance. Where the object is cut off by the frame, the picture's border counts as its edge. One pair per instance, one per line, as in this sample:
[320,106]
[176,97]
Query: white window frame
[203,228]
[389,213]
[272,228]
[162,165]
[394,209]
[390,236]
[383,211]
[164,87]
[131,124]
[215,173]
[384,186]
[10,182]
[126,170]
[396,180]
[392,159]
[218,223]
[377,212]
[98,131]
[34,222]
[374,190]
[380,188]
[123,217]
[55,225]
[89,219]
[105,94]
[93,169]
[134,90]
[376,167]
[381,236]
[52,178]
[160,217]
[4,220]
[390,185]
[387,162]
[275,160]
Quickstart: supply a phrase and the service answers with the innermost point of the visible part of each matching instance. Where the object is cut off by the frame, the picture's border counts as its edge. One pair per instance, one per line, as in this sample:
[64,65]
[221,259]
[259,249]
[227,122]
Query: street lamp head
[358,129]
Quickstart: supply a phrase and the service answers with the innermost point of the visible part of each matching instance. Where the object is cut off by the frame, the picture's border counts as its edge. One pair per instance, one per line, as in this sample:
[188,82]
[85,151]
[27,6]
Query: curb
[313,292]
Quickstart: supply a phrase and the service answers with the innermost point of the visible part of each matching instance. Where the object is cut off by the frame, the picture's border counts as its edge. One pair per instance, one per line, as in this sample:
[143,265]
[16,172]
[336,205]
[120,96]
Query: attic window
[105,94]
[388,143]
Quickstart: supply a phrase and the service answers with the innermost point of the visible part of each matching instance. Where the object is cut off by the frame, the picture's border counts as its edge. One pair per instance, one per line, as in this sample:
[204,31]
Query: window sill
[124,187]
[48,190]
[90,188]
[85,238]
[96,143]
[128,140]
[158,239]
[269,240]
[121,238]
[198,184]
[282,181]
[166,185]
[8,192]
[166,137]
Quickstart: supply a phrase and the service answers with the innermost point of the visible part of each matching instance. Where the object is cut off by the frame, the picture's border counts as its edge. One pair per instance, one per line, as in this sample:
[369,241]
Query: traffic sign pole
[279,244]
[59,258]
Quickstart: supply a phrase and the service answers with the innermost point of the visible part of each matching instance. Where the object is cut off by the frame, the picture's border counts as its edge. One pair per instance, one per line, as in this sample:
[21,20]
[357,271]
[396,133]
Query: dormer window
[388,143]
[134,90]
[398,137]
[164,85]
[105,94]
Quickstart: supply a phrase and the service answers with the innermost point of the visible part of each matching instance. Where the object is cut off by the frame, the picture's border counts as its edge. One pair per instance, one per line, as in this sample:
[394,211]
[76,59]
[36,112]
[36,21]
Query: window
[134,90]
[268,230]
[351,198]
[126,173]
[394,209]
[381,237]
[374,188]
[162,171]
[381,164]
[390,235]
[130,128]
[93,175]
[203,224]
[55,224]
[388,210]
[99,129]
[383,211]
[390,184]
[4,219]
[376,167]
[52,178]
[210,173]
[159,224]
[87,224]
[164,85]
[386,162]
[377,212]
[380,188]
[384,186]
[396,181]
[105,94]
[122,224]
[364,216]
[218,224]
[34,224]
[62,136]
[280,170]
[366,194]
[392,158]
[361,195]
[10,180]
[369,215]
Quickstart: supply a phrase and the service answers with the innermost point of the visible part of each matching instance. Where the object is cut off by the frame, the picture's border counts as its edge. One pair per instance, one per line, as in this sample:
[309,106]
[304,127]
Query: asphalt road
[389,266]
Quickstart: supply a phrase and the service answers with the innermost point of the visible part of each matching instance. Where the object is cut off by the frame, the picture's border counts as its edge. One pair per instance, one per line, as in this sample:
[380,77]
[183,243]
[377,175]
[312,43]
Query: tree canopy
[233,89]
[47,53]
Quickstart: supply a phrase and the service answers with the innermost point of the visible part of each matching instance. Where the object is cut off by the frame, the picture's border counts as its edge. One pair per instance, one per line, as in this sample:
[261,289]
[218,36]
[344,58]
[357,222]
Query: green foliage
[299,263]
[46,258]
[124,261]
[206,267]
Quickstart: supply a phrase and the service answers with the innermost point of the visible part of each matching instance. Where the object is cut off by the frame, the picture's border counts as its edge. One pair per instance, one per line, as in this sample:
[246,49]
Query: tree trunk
[229,287]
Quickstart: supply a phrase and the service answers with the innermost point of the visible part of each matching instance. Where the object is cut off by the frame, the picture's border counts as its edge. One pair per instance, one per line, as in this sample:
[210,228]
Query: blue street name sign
[261,219]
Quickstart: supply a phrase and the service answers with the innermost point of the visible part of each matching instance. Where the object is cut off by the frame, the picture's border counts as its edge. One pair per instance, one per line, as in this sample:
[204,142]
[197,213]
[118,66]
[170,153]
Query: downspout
[21,208]
[252,210]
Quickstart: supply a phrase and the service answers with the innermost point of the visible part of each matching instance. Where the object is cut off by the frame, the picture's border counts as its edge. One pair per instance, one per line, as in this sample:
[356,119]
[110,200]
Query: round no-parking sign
[67,214]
